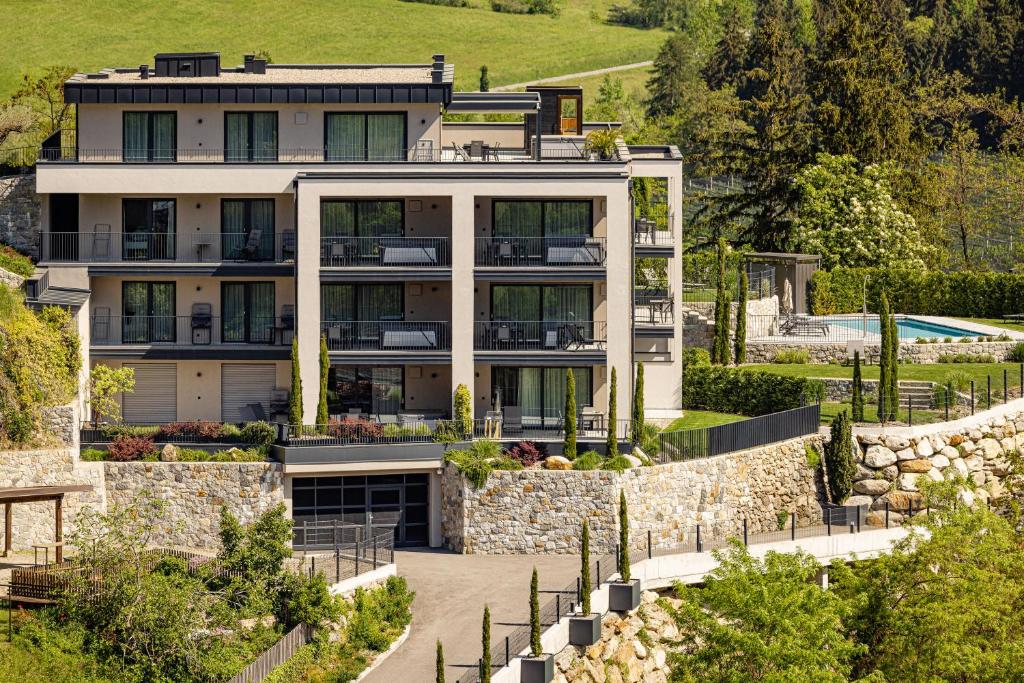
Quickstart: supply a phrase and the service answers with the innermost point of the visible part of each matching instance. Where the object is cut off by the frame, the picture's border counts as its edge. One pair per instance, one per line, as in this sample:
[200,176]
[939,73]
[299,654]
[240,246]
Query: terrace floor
[451,590]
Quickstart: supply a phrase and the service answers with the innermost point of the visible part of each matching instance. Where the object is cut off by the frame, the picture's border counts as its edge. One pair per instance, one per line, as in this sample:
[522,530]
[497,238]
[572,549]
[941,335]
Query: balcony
[653,309]
[577,252]
[653,237]
[201,335]
[198,247]
[385,252]
[573,336]
[387,335]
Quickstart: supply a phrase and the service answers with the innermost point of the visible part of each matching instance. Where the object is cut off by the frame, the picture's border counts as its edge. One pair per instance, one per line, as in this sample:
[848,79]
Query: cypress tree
[569,448]
[439,664]
[485,645]
[894,369]
[325,368]
[637,422]
[740,341]
[858,390]
[535,646]
[623,559]
[612,444]
[585,585]
[883,359]
[295,399]
[839,460]
[720,347]
[485,81]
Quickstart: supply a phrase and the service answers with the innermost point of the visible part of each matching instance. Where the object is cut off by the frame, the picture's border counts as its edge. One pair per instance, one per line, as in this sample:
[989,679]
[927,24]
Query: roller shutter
[155,399]
[245,383]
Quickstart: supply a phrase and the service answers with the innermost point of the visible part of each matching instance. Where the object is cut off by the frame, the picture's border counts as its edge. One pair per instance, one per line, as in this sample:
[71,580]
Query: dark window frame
[149,136]
[540,300]
[172,241]
[249,140]
[246,311]
[575,369]
[355,296]
[366,135]
[247,211]
[148,314]
[369,366]
[355,208]
[543,224]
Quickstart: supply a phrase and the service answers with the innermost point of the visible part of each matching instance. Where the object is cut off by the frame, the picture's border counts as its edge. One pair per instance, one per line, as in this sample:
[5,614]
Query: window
[250,136]
[373,218]
[528,218]
[372,390]
[361,302]
[148,312]
[554,303]
[247,229]
[247,312]
[569,114]
[364,137]
[150,136]
[148,229]
[540,392]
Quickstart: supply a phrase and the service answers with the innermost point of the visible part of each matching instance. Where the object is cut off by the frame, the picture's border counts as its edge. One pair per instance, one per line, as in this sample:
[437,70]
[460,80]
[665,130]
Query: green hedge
[916,292]
[746,392]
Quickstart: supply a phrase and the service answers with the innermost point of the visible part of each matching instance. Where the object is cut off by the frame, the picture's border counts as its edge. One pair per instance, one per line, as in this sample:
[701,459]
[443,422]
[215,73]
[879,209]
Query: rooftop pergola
[37,494]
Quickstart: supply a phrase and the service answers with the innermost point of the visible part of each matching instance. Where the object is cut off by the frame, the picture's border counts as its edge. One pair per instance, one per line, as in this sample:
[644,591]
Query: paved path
[451,591]
[581,74]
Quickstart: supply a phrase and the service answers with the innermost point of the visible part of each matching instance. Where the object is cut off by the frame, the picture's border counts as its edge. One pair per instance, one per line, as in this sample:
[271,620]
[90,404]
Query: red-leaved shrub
[128,448]
[527,453]
[354,429]
[200,429]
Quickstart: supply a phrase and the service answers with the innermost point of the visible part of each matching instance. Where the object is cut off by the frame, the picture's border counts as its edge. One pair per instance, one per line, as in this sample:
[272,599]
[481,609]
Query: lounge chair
[799,325]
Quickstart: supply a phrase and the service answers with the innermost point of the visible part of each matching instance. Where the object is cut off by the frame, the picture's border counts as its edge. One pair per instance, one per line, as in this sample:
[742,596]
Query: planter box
[624,597]
[537,669]
[585,630]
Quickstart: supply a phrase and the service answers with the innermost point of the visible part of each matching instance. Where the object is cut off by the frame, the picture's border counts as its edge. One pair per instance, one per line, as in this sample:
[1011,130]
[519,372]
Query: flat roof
[494,102]
[279,74]
[781,257]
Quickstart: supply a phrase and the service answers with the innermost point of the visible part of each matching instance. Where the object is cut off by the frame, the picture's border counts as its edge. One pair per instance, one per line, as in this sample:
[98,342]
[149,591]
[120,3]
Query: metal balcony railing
[557,252]
[196,247]
[386,335]
[546,335]
[648,232]
[189,330]
[653,308]
[387,252]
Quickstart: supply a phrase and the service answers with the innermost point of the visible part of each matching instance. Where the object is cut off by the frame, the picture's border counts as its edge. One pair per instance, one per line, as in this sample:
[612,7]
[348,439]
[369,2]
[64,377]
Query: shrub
[813,456]
[723,308]
[527,453]
[114,431]
[617,464]
[92,455]
[637,418]
[792,357]
[295,394]
[526,7]
[747,392]
[839,462]
[1003,337]
[590,460]
[1016,354]
[447,432]
[354,429]
[128,448]
[612,439]
[695,357]
[966,358]
[199,429]
[740,341]
[506,463]
[16,262]
[476,462]
[462,405]
[258,433]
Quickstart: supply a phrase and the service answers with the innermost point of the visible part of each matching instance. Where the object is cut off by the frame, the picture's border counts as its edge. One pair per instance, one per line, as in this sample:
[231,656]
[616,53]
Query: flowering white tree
[848,216]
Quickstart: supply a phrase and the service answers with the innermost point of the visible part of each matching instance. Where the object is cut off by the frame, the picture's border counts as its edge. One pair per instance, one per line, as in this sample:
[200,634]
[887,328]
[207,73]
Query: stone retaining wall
[832,352]
[19,213]
[541,511]
[195,493]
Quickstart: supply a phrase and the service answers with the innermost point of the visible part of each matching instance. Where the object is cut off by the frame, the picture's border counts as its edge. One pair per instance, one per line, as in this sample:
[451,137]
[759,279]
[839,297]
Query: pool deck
[977,328]
[839,333]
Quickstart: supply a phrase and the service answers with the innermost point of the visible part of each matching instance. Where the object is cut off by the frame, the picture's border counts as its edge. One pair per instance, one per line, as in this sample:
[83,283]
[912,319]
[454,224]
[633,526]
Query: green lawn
[693,419]
[92,34]
[929,372]
[995,322]
[830,409]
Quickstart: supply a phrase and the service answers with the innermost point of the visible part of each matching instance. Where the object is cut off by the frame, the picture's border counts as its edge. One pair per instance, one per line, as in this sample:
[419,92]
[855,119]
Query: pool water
[909,328]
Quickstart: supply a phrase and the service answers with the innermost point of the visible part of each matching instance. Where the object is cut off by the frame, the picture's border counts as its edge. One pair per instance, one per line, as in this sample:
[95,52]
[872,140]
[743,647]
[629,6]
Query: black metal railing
[649,232]
[706,442]
[653,308]
[195,247]
[386,335]
[548,427]
[544,335]
[189,330]
[369,430]
[393,252]
[520,252]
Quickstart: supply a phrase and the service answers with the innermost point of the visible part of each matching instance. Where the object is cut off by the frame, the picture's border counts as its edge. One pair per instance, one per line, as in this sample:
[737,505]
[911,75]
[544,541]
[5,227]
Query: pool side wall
[828,352]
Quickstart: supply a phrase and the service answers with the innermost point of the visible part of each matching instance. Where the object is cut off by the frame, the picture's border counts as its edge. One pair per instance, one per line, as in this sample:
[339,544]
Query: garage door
[245,383]
[155,399]
[399,500]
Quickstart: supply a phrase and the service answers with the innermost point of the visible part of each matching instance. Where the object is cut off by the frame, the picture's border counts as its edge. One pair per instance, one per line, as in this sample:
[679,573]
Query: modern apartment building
[213,214]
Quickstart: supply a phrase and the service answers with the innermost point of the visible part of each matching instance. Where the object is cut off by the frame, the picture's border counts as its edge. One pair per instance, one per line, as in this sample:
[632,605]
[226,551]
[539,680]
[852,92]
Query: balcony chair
[476,149]
[512,420]
[251,248]
[460,154]
[424,150]
[101,324]
[202,323]
[334,336]
[288,245]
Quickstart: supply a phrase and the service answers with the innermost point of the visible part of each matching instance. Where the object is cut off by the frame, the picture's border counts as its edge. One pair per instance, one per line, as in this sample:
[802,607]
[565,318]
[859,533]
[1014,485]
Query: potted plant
[624,594]
[538,668]
[585,629]
[603,143]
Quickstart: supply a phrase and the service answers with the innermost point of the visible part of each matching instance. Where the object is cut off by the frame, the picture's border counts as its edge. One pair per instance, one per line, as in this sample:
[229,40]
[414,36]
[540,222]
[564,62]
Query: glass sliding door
[353,313]
[364,137]
[355,232]
[247,229]
[148,312]
[540,316]
[539,393]
[149,136]
[247,312]
[148,229]
[568,219]
[385,137]
[368,389]
[250,136]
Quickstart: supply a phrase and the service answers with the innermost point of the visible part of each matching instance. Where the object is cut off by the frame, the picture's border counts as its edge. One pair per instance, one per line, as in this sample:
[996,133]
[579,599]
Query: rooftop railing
[543,335]
[386,335]
[195,247]
[387,252]
[578,251]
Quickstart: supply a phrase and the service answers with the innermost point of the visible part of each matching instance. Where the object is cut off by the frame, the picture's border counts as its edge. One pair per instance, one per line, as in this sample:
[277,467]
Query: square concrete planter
[585,630]
[624,597]
[537,669]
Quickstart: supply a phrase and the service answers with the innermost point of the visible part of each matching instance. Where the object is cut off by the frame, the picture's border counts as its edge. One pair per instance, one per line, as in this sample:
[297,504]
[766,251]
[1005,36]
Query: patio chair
[101,323]
[460,154]
[512,419]
[101,242]
[251,248]
[797,325]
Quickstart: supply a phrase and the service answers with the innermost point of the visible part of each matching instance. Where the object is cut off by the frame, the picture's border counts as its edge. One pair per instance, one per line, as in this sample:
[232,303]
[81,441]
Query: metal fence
[540,335]
[384,251]
[386,335]
[706,442]
[577,251]
[190,330]
[98,246]
[278,653]
[850,327]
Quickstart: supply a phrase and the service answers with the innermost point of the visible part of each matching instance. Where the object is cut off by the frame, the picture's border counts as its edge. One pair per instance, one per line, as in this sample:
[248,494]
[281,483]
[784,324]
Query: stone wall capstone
[541,511]
[195,492]
[19,213]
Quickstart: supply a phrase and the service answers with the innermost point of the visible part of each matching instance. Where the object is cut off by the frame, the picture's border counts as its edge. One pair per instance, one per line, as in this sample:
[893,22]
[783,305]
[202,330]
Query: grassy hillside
[91,34]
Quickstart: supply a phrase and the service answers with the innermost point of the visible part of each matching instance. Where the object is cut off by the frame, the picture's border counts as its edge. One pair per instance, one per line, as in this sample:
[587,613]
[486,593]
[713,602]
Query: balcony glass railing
[189,330]
[559,252]
[546,335]
[196,247]
[386,252]
[386,335]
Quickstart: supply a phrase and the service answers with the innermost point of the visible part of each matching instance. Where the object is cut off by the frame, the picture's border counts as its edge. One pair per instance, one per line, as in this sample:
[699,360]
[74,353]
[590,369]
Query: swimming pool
[908,328]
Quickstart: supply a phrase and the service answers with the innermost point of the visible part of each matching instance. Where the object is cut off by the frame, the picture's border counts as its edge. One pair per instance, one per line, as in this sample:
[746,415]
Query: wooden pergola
[36,494]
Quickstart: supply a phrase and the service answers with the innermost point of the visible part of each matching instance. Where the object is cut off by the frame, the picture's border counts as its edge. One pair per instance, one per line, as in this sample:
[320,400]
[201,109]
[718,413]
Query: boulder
[879,456]
[169,453]
[974,463]
[979,478]
[896,443]
[995,489]
[967,497]
[899,500]
[956,440]
[869,439]
[863,473]
[935,475]
[633,460]
[1008,444]
[906,454]
[960,467]
[924,448]
[890,472]
[871,487]
[907,482]
[858,501]
[919,466]
[989,448]
[557,462]
[940,461]
[950,452]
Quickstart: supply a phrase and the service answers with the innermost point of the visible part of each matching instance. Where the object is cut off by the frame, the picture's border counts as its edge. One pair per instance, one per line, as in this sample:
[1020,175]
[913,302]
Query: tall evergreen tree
[612,442]
[723,310]
[989,47]
[585,585]
[322,415]
[485,646]
[485,79]
[676,71]
[727,62]
[295,396]
[623,558]
[569,447]
[439,663]
[883,359]
[839,462]
[858,389]
[894,369]
[740,340]
[636,423]
[535,647]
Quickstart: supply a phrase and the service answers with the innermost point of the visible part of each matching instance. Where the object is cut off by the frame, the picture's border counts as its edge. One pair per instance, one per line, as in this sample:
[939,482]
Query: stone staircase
[923,393]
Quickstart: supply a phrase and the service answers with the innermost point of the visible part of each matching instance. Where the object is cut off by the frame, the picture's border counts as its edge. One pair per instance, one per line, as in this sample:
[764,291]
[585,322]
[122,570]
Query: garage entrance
[401,500]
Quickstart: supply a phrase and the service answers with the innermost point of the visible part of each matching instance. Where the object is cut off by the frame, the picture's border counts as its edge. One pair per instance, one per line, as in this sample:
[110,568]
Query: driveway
[451,591]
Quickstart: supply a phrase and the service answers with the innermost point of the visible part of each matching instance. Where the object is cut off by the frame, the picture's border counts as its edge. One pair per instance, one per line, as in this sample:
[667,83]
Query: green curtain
[385,137]
[378,302]
[517,219]
[519,303]
[554,390]
[567,303]
[233,228]
[346,137]
[233,312]
[380,218]
[530,399]
[163,311]
[135,309]
[164,136]
[337,218]
[337,302]
[262,219]
[567,219]
[386,385]
[136,136]
[261,313]
[264,136]
[236,126]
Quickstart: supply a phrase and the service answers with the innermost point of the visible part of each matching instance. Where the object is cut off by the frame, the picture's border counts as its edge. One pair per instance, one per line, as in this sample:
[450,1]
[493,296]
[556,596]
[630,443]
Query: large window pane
[387,390]
[540,392]
[369,389]
[385,137]
[346,137]
[164,136]
[148,312]
[233,311]
[515,302]
[264,136]
[567,303]
[136,136]
[247,312]
[250,136]
[380,302]
[236,136]
[149,136]
[517,219]
[380,218]
[567,219]
[337,302]
[247,229]
[337,218]
[149,230]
